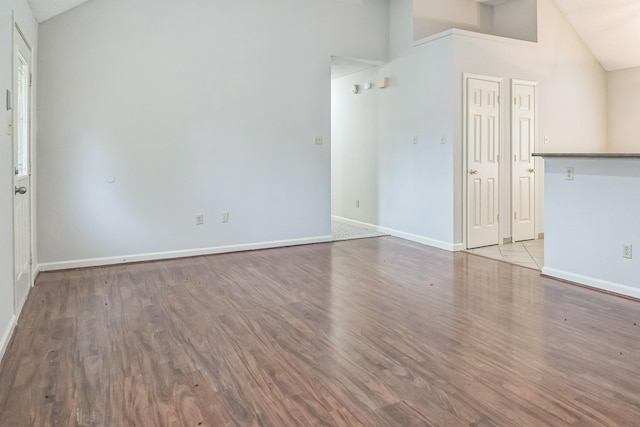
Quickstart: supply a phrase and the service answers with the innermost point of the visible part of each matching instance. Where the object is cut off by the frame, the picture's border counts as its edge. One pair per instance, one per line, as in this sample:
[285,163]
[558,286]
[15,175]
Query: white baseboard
[592,282]
[24,299]
[96,262]
[357,223]
[451,247]
[457,247]
[6,336]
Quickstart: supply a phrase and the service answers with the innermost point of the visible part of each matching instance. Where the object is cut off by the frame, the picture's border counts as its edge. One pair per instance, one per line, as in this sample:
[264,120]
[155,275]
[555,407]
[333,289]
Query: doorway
[354,152]
[482,139]
[21,129]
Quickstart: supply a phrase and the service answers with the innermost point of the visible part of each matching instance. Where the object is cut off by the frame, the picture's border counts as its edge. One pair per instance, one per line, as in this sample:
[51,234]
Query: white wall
[197,107]
[401,26]
[571,91]
[514,18]
[355,147]
[589,219]
[517,19]
[416,179]
[29,27]
[623,110]
[404,188]
[420,186]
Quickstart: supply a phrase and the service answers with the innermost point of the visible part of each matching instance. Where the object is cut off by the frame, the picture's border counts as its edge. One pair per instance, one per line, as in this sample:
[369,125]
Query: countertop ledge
[591,155]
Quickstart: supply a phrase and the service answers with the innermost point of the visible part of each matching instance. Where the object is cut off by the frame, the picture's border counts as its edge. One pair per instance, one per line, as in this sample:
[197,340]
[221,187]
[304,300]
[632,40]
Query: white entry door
[483,171]
[523,142]
[21,123]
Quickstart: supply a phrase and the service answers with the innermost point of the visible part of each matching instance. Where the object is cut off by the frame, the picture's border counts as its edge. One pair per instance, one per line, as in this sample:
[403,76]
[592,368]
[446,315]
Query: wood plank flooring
[373,332]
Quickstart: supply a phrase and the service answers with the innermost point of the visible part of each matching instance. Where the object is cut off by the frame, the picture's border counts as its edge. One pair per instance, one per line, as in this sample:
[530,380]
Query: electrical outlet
[357,203]
[415,139]
[626,251]
[225,217]
[318,140]
[569,174]
[199,219]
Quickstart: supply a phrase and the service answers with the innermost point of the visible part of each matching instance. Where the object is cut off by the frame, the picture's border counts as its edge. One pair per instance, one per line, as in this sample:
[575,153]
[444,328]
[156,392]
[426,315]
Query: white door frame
[17,32]
[538,173]
[465,168]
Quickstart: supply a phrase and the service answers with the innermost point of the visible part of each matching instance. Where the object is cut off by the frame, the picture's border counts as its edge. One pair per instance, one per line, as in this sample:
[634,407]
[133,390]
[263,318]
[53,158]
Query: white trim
[20,304]
[420,239]
[473,34]
[95,262]
[455,247]
[357,223]
[434,37]
[592,282]
[6,336]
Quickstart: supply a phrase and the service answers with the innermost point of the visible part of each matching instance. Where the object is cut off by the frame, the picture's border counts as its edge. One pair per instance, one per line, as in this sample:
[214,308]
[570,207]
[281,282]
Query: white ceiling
[341,66]
[45,9]
[610,28]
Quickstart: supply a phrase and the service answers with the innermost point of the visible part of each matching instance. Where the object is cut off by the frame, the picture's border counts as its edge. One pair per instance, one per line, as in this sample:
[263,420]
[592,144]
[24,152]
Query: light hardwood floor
[372,332]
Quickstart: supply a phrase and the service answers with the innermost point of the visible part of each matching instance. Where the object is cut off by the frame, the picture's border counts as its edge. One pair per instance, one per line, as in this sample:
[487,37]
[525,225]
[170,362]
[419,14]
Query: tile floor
[529,253]
[347,231]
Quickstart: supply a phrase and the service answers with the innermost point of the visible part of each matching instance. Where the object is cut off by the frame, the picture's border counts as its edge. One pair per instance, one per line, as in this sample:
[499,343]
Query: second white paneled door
[482,126]
[523,142]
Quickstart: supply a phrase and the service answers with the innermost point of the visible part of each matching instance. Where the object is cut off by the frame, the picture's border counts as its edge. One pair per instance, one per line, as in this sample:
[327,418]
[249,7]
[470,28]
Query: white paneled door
[523,141]
[21,123]
[483,171]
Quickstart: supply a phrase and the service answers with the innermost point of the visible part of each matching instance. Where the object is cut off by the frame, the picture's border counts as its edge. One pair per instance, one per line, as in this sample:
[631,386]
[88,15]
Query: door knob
[21,190]
[532,170]
[473,172]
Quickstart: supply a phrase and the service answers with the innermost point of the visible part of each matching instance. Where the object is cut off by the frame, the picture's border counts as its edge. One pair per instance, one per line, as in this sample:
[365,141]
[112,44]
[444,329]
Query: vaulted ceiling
[610,28]
[45,9]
